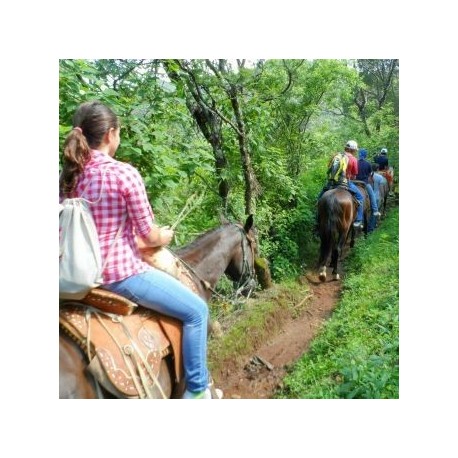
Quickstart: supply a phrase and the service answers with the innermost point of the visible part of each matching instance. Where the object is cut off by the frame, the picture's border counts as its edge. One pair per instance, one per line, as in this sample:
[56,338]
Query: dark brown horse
[229,249]
[336,213]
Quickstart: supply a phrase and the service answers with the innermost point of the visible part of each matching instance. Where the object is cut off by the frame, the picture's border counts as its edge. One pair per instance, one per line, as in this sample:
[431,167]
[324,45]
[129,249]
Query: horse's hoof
[322,276]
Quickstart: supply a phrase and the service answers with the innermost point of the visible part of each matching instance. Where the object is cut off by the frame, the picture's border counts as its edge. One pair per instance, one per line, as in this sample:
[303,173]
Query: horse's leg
[74,381]
[325,241]
[325,251]
[352,236]
[385,197]
[338,250]
[366,222]
[335,258]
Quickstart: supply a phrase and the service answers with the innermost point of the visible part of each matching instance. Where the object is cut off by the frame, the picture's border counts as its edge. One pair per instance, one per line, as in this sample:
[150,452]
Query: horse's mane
[198,241]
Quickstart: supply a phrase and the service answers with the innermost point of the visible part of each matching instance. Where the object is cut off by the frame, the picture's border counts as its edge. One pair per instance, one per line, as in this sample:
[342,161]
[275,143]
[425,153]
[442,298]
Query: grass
[356,355]
[254,323]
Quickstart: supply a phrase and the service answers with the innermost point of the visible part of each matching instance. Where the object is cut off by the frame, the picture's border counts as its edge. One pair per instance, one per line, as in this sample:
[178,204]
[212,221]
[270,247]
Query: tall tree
[233,86]
[379,76]
[204,110]
[215,98]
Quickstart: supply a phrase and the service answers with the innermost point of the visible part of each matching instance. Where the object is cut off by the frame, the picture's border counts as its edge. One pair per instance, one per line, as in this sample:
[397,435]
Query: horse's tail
[330,214]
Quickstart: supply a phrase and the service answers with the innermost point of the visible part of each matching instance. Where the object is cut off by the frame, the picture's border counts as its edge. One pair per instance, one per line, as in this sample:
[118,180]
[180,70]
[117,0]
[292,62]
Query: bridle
[243,284]
[250,281]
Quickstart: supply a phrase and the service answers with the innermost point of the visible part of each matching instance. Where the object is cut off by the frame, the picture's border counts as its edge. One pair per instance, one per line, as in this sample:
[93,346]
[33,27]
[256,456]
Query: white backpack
[80,260]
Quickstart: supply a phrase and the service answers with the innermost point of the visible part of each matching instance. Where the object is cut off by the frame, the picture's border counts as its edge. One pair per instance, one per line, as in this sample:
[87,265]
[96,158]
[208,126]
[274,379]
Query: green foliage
[356,354]
[296,112]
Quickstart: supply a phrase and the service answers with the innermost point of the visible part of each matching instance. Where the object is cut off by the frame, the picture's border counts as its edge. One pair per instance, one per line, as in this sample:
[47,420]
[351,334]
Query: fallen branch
[257,359]
[303,300]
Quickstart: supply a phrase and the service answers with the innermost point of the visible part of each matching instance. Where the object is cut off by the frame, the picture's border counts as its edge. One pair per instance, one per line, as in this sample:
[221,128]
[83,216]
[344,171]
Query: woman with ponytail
[117,194]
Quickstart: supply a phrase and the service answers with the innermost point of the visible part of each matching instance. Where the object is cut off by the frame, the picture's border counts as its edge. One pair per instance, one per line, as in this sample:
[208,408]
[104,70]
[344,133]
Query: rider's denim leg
[373,200]
[359,197]
[161,292]
[372,223]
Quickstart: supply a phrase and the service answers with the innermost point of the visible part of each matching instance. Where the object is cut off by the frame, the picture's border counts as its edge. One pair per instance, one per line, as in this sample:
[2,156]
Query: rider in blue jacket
[364,171]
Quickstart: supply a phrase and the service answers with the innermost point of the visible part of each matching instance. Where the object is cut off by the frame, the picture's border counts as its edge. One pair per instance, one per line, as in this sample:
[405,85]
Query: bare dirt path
[258,378]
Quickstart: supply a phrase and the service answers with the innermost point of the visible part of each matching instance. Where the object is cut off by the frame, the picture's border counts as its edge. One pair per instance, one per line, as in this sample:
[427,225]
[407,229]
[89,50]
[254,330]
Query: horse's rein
[245,266]
[190,269]
[244,261]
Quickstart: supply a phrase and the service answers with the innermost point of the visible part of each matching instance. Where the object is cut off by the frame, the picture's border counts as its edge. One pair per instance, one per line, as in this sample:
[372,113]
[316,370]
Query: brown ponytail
[76,155]
[91,120]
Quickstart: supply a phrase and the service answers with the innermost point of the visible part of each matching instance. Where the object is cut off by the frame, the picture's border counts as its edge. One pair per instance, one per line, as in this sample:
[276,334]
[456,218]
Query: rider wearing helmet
[351,147]
[342,168]
[382,159]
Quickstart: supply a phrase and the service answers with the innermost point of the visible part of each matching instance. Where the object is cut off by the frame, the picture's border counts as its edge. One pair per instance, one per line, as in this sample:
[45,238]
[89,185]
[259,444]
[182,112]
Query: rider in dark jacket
[382,159]
[364,171]
[364,167]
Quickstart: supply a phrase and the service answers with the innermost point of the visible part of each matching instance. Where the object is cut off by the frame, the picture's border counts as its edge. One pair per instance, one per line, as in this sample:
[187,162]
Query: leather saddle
[125,344]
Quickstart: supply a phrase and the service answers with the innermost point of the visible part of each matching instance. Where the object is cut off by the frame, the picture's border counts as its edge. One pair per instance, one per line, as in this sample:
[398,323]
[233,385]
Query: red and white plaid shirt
[122,195]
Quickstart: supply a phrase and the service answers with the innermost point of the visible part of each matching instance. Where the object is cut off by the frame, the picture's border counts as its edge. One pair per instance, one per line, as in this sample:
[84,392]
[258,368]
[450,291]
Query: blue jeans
[374,207]
[359,197]
[162,293]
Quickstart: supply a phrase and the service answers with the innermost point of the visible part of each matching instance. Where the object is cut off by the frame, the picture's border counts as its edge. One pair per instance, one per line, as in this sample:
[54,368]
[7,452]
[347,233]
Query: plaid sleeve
[138,206]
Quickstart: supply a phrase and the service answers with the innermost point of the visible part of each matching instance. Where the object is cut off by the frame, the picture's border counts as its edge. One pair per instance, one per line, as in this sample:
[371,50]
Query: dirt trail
[252,379]
[255,379]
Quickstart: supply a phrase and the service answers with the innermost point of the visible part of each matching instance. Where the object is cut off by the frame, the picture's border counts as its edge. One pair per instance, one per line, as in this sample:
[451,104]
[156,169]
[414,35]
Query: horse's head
[241,266]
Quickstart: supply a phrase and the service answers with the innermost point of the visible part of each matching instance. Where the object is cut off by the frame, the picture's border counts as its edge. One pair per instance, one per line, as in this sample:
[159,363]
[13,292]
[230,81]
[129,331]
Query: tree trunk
[208,121]
[210,126]
[251,183]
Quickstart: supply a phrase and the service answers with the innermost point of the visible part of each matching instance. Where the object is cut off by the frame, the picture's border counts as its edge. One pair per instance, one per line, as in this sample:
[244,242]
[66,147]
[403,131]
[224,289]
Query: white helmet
[384,150]
[351,144]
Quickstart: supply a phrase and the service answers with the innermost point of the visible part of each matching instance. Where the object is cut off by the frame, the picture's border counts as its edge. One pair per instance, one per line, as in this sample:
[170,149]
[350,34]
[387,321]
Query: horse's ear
[223,219]
[249,223]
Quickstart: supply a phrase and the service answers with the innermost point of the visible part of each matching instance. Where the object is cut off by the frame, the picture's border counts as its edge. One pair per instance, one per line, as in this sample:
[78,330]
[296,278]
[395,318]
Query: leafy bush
[356,354]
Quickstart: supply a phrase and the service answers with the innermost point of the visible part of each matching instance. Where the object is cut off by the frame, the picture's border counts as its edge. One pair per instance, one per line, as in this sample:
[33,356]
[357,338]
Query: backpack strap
[123,222]
[103,172]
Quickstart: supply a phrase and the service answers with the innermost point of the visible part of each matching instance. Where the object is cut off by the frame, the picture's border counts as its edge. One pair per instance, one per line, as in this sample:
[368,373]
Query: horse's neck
[210,258]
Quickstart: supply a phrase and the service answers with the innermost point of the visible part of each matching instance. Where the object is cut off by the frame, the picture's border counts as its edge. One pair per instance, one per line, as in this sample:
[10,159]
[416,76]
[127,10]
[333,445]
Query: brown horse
[388,173]
[336,213]
[229,249]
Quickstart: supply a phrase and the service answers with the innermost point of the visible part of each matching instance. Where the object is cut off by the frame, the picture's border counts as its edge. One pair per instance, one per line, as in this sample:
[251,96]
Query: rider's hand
[165,235]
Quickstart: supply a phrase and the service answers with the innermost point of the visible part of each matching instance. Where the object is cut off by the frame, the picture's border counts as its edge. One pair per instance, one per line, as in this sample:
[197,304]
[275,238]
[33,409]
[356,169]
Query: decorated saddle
[125,350]
[125,344]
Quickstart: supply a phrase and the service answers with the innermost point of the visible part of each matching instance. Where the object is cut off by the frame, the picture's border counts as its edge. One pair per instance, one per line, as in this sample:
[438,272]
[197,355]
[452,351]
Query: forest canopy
[241,137]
